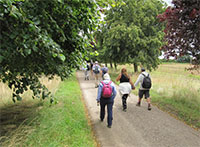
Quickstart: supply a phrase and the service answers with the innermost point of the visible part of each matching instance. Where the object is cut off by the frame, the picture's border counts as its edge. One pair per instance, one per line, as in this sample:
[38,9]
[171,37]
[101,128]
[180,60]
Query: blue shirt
[101,88]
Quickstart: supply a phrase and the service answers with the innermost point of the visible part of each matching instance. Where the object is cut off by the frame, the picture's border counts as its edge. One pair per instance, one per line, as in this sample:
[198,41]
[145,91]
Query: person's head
[103,65]
[106,76]
[96,62]
[142,69]
[124,71]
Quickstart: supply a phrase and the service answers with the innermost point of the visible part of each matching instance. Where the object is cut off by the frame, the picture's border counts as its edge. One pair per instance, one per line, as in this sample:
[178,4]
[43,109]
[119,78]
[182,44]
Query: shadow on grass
[16,116]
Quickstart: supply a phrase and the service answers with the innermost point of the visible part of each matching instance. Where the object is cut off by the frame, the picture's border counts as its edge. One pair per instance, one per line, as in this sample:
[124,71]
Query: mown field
[38,123]
[174,90]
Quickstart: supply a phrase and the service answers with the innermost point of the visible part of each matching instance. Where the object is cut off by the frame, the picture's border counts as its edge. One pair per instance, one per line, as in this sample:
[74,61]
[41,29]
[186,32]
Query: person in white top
[143,91]
[125,86]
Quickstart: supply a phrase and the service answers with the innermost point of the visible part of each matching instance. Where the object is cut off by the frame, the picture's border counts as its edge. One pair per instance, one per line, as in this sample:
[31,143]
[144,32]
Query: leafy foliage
[43,38]
[182,31]
[131,33]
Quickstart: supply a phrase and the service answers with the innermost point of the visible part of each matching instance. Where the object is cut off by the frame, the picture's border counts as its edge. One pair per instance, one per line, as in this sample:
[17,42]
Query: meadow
[175,90]
[39,123]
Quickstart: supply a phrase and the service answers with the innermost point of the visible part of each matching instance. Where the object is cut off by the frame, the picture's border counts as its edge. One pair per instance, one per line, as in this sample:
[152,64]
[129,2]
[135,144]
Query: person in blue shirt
[106,101]
[96,70]
[104,70]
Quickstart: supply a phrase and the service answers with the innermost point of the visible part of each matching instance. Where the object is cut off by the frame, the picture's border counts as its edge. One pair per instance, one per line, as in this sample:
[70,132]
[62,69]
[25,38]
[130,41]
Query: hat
[142,69]
[106,76]
[96,62]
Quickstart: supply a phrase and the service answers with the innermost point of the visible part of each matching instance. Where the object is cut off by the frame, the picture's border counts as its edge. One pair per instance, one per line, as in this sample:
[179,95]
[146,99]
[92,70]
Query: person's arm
[99,92]
[114,90]
[93,68]
[132,85]
[118,78]
[139,79]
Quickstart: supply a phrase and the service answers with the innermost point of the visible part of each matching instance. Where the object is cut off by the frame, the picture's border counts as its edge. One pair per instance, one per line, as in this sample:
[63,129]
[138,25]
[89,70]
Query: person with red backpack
[145,84]
[106,95]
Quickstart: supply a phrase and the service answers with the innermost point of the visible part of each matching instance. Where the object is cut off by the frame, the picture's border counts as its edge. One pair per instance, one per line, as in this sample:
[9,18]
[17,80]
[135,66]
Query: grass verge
[61,124]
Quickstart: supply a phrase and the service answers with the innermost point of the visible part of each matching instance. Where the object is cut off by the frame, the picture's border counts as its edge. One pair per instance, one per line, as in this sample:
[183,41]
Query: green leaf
[27,51]
[55,55]
[19,98]
[61,57]
[35,48]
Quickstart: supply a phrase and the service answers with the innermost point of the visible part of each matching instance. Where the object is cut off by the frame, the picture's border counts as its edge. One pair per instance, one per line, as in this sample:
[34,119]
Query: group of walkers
[107,90]
[95,71]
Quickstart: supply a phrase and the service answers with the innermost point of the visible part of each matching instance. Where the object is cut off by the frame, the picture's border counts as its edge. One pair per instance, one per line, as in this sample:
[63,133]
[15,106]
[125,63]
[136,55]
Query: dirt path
[137,127]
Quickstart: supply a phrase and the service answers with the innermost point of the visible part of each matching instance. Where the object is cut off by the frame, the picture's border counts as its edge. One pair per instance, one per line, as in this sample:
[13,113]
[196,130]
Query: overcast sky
[168,1]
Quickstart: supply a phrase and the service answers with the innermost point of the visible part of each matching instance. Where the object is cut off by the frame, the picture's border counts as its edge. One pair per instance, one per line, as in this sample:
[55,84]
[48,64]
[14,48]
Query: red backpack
[107,90]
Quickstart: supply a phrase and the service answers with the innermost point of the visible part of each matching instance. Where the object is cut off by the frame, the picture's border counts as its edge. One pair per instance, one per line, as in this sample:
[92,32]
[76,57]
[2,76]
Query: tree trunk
[115,64]
[135,67]
[111,64]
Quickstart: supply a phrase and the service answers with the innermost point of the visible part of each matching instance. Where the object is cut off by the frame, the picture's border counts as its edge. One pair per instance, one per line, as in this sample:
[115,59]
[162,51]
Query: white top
[124,88]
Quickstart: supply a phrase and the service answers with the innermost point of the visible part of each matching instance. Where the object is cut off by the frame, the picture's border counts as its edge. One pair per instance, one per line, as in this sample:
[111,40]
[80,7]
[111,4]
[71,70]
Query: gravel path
[137,127]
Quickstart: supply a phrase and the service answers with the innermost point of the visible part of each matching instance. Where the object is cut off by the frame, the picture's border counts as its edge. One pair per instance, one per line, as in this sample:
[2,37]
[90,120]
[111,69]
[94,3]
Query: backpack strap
[104,83]
[145,75]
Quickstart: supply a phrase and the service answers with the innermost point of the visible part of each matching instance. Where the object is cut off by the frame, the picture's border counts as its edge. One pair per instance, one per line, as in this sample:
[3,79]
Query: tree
[43,38]
[131,33]
[182,31]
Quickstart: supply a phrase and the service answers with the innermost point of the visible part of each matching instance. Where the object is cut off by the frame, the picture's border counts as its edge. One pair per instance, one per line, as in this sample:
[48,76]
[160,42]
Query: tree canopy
[43,37]
[182,31]
[131,33]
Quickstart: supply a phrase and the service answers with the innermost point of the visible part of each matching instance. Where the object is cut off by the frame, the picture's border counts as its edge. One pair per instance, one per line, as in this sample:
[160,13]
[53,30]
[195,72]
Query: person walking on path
[87,71]
[144,88]
[104,99]
[104,70]
[96,70]
[125,86]
[85,68]
[91,68]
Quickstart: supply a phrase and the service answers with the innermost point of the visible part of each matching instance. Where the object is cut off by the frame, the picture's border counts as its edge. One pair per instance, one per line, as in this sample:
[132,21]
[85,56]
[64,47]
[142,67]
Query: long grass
[61,124]
[174,89]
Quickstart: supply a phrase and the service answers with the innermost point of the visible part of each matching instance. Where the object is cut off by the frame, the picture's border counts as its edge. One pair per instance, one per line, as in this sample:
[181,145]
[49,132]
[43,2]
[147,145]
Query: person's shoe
[109,126]
[149,107]
[138,104]
[101,120]
[124,109]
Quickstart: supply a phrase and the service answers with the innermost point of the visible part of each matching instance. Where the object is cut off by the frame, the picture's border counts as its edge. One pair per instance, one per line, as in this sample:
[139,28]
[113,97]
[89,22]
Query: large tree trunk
[135,67]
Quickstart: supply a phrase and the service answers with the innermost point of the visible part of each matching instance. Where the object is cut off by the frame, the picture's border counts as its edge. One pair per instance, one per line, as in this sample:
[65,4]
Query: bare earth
[137,127]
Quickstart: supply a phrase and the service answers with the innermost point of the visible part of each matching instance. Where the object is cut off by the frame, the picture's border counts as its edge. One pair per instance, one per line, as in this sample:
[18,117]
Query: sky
[168,1]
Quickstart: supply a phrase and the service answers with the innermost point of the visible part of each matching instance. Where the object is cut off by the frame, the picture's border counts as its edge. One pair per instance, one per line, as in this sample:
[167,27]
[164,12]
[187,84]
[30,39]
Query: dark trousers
[109,103]
[124,98]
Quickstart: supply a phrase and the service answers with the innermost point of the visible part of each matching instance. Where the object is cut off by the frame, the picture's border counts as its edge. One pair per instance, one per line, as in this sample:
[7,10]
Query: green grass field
[174,90]
[36,123]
